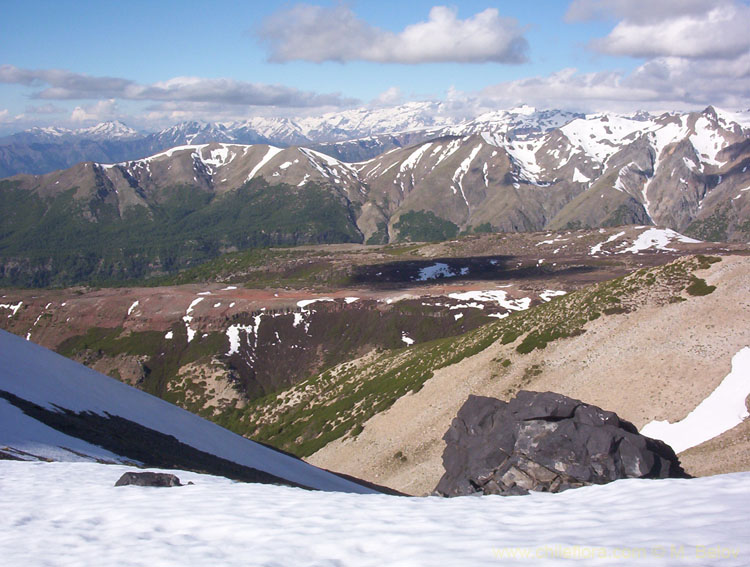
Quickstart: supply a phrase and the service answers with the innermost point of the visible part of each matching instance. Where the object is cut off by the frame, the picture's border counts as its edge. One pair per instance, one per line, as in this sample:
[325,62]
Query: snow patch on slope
[493,296]
[657,239]
[598,247]
[272,151]
[13,308]
[722,410]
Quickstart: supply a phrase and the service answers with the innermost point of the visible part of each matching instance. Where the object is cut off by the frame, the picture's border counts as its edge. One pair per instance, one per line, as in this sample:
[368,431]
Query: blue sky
[152,64]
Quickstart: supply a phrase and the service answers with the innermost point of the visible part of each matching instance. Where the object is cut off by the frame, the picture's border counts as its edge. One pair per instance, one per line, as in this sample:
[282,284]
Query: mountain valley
[328,351]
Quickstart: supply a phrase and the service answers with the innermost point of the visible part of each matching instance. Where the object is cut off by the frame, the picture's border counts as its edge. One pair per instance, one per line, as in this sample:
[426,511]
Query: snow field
[70,514]
[493,296]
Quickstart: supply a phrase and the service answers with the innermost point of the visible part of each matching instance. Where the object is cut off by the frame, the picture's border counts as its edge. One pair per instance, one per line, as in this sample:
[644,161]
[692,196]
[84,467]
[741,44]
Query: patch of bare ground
[127,368]
[208,386]
[657,362]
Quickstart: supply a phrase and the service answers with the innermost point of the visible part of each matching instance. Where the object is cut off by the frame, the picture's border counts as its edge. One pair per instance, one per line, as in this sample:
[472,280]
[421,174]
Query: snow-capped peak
[113,129]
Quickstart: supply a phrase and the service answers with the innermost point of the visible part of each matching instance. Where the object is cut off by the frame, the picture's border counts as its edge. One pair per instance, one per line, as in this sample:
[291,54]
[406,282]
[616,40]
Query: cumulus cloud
[715,29]
[389,97]
[659,84]
[56,84]
[100,111]
[315,33]
[571,90]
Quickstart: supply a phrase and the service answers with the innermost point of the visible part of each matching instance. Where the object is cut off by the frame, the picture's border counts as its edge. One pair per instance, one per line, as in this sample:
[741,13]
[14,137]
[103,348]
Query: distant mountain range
[350,135]
[520,170]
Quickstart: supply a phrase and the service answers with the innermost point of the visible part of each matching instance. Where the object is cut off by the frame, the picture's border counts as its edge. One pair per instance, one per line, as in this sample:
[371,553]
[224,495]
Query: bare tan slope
[658,362]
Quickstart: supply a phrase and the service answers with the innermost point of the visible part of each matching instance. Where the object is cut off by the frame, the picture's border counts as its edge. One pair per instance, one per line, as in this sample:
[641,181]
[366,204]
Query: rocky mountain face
[688,172]
[545,442]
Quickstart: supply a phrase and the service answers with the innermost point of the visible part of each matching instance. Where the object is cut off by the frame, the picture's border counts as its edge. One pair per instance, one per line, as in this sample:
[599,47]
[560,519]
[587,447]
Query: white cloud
[669,28]
[4,115]
[230,91]
[569,89]
[388,97]
[315,33]
[659,84]
[720,33]
[98,112]
[56,84]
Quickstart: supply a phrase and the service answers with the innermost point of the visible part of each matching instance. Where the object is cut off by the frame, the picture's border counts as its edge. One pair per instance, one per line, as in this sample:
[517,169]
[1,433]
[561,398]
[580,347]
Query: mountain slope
[81,403]
[689,172]
[178,208]
[652,357]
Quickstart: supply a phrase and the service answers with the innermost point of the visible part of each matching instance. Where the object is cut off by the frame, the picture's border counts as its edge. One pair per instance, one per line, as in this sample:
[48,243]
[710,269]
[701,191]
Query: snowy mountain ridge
[351,135]
[361,123]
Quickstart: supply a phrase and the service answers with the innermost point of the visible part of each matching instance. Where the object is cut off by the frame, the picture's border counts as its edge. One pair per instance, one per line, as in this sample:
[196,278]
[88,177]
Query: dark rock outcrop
[148,479]
[545,442]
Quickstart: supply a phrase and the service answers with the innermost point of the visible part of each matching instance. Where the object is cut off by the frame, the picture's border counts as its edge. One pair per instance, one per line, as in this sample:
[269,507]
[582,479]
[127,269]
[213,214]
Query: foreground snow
[71,514]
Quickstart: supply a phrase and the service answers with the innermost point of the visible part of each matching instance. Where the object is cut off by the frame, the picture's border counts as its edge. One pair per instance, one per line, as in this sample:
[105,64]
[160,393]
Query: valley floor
[71,514]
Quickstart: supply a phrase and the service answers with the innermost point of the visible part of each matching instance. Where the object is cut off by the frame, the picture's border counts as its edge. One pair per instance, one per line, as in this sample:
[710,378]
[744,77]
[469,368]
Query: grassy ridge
[338,402]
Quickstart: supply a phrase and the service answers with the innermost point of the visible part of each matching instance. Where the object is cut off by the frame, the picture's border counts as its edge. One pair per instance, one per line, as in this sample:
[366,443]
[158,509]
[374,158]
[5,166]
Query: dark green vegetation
[380,236]
[64,240]
[339,401]
[424,226]
[724,222]
[699,286]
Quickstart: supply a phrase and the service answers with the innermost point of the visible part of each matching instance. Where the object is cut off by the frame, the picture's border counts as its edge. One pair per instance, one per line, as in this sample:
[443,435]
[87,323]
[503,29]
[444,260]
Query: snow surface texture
[71,514]
[41,376]
[719,412]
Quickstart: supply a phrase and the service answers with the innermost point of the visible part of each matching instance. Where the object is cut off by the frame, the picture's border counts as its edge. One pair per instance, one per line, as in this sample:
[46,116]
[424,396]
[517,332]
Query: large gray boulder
[148,479]
[545,442]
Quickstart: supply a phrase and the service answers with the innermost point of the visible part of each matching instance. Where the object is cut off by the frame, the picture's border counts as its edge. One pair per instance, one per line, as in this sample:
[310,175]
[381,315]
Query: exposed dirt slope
[657,362]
